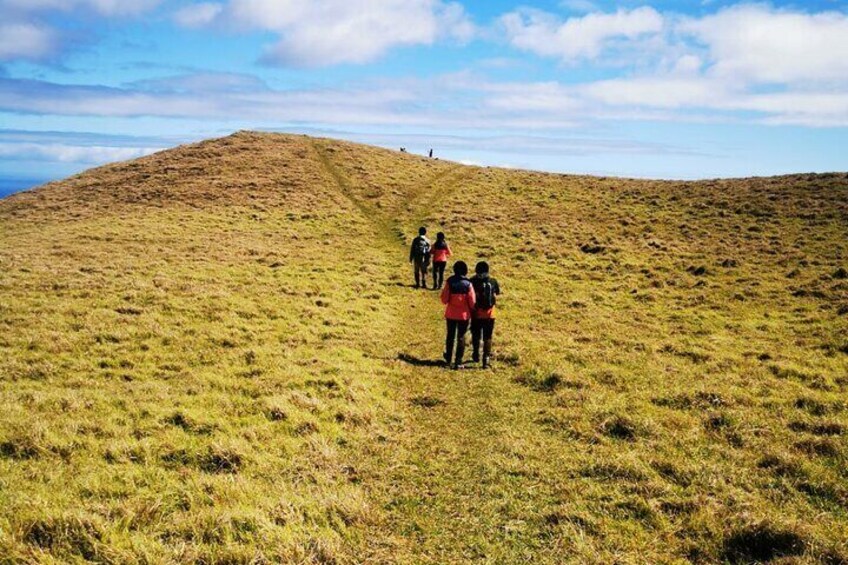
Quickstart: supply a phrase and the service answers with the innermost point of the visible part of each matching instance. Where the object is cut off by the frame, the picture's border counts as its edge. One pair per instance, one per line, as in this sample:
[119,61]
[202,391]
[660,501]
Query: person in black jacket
[419,255]
[486,290]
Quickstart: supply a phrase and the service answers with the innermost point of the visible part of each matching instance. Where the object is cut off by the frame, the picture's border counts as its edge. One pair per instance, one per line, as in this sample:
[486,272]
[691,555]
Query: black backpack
[485,295]
[422,248]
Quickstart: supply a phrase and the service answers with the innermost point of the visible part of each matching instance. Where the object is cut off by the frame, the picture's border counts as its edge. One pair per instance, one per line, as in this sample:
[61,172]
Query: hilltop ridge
[212,354]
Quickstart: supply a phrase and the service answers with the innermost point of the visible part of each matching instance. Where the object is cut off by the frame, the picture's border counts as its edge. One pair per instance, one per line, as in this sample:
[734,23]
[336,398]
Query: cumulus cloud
[762,44]
[314,33]
[726,66]
[583,37]
[753,60]
[25,35]
[21,40]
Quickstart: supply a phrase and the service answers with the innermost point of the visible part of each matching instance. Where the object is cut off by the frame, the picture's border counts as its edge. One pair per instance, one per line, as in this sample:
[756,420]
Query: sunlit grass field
[213,355]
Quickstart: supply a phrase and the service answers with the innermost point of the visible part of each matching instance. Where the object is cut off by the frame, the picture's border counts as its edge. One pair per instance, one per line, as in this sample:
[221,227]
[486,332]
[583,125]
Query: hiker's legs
[442,266]
[422,270]
[449,339]
[438,273]
[476,331]
[461,330]
[488,333]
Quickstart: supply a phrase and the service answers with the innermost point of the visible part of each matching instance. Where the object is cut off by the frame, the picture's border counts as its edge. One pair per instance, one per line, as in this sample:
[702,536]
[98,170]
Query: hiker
[458,298]
[431,153]
[483,315]
[419,254]
[440,252]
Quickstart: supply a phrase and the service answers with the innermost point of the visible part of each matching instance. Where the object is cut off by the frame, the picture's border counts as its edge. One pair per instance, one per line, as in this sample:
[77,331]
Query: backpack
[422,248]
[486,295]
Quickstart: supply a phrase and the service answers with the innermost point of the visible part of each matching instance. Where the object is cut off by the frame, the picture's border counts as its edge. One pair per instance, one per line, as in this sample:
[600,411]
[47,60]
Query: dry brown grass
[211,355]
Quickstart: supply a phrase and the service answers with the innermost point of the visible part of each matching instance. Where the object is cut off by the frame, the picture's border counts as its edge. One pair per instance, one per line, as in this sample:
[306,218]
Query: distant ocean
[12,185]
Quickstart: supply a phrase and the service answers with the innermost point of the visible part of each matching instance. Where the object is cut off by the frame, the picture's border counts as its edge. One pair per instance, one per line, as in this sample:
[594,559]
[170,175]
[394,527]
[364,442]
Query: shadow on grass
[411,360]
[410,285]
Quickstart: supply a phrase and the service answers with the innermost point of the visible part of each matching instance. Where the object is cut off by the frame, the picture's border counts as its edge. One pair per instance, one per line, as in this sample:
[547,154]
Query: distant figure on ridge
[458,298]
[486,290]
[431,153]
[419,255]
[440,252]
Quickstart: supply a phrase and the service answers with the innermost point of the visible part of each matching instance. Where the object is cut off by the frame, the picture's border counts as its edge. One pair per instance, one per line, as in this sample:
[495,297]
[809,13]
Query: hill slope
[212,355]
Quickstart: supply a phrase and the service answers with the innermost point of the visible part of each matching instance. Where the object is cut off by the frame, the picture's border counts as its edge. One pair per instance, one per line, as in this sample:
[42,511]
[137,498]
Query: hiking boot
[460,352]
[487,352]
[475,357]
[446,356]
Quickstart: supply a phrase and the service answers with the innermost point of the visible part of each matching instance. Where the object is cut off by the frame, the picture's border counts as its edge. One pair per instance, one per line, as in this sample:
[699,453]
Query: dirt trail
[466,471]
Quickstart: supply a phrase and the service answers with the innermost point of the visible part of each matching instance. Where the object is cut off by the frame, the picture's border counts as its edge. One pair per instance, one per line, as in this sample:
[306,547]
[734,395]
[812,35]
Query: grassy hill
[213,355]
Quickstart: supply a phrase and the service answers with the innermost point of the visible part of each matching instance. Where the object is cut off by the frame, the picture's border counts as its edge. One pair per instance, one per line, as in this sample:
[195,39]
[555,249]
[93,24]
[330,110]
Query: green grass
[212,355]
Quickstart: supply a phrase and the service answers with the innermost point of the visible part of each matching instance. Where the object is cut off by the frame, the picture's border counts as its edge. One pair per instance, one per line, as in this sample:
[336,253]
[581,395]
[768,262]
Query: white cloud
[198,15]
[24,35]
[748,61]
[757,43]
[83,154]
[699,69]
[667,92]
[458,100]
[584,37]
[315,33]
[19,40]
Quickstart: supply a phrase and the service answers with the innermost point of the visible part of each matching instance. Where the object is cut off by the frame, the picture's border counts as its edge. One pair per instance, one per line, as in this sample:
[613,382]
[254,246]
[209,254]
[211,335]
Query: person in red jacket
[440,252]
[486,290]
[458,298]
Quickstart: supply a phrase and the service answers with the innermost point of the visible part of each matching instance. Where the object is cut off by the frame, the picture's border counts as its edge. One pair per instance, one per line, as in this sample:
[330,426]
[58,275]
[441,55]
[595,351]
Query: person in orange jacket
[486,289]
[459,299]
[440,252]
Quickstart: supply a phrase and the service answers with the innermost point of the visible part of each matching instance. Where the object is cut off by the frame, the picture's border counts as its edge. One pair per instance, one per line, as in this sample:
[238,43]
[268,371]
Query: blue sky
[660,89]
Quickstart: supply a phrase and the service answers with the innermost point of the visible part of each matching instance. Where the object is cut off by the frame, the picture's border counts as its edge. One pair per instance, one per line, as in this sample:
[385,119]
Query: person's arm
[412,251]
[449,251]
[445,296]
[471,298]
[497,288]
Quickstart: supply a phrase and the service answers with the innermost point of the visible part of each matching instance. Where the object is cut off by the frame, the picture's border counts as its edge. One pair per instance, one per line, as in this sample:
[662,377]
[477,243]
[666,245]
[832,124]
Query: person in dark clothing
[458,298]
[419,255]
[440,252]
[431,153]
[486,290]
